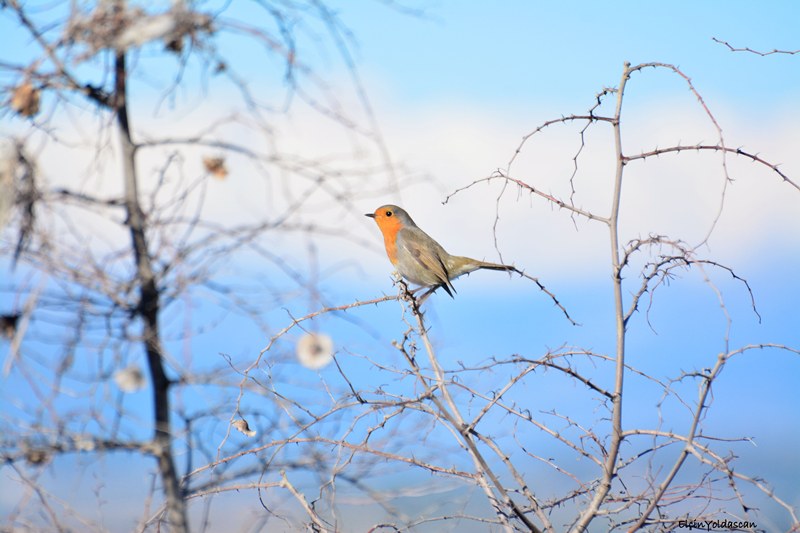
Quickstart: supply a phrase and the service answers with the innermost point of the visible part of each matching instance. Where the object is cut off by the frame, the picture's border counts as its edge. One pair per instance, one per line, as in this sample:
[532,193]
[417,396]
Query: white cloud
[675,194]
[458,142]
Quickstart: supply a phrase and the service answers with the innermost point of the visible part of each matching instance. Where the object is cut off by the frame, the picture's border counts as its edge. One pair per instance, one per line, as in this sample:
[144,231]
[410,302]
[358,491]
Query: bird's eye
[388,213]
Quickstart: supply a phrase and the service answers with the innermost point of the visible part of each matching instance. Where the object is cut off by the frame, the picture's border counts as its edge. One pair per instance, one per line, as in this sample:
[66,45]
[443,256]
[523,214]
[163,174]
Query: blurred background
[262,132]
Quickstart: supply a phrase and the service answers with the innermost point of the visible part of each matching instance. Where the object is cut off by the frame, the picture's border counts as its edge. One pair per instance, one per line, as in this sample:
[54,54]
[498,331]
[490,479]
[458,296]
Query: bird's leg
[405,292]
[425,294]
[397,279]
[409,295]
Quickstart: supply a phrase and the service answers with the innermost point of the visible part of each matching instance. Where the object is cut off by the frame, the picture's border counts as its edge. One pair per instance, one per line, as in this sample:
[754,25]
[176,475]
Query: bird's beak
[370,215]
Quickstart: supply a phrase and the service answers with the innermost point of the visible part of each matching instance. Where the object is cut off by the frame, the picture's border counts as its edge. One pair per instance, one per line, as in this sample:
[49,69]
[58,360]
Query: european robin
[420,259]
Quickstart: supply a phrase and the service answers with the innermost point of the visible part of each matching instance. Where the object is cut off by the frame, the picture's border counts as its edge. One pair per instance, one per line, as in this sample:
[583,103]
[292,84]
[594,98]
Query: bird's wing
[428,254]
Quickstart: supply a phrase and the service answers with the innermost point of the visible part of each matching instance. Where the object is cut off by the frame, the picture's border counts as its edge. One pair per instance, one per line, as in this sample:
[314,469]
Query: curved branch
[716,148]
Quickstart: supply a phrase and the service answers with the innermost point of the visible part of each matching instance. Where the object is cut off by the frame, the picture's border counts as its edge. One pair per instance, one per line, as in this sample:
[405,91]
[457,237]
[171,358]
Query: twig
[773,51]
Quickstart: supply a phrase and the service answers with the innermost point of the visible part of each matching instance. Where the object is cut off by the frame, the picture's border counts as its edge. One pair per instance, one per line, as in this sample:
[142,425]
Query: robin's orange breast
[390,227]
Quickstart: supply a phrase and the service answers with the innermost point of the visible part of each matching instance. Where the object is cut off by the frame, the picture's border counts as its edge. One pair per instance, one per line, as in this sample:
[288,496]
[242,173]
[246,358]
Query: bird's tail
[464,265]
[497,266]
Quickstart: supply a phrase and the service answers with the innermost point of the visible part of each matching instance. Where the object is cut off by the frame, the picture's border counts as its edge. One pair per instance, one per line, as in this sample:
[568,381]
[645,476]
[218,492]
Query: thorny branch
[488,479]
[111,301]
[746,49]
[652,506]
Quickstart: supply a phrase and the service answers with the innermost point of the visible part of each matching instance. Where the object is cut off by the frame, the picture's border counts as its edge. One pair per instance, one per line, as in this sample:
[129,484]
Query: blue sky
[454,90]
[520,52]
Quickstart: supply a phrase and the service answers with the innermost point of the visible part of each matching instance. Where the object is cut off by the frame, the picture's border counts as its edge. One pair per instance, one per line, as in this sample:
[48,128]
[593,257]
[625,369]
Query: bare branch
[774,51]
[715,148]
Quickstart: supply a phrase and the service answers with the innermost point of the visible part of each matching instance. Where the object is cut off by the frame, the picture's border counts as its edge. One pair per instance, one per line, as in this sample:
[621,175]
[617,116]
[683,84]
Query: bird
[418,257]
